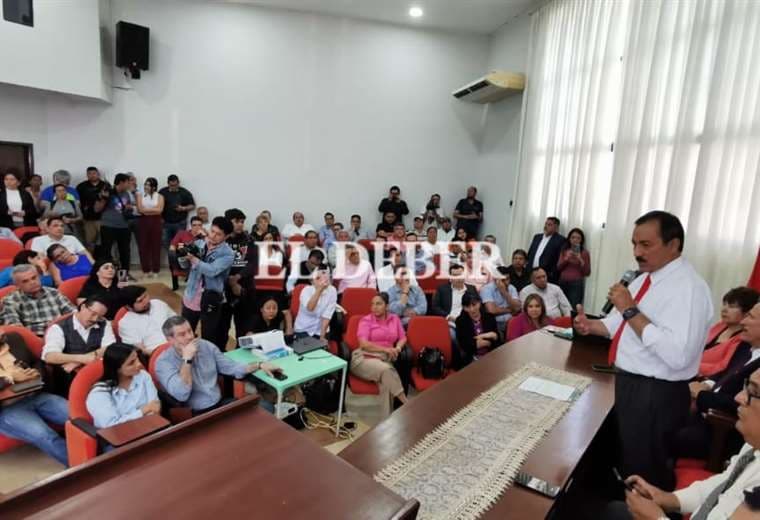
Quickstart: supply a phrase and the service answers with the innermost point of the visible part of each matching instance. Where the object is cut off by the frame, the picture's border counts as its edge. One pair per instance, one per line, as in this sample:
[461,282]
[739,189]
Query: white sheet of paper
[272,340]
[548,388]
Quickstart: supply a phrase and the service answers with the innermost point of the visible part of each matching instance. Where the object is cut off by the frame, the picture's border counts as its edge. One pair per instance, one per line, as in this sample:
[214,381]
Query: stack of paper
[547,388]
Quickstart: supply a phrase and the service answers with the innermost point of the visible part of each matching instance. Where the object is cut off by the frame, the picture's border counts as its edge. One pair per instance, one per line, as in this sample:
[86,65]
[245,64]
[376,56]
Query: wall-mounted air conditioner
[494,86]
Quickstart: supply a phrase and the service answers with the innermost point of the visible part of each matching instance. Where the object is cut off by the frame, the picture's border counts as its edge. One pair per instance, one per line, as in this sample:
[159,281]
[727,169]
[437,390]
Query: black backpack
[431,362]
[322,394]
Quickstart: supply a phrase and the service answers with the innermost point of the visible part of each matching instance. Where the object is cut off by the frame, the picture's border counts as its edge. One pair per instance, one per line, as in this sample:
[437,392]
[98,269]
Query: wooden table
[130,431]
[8,393]
[234,462]
[556,456]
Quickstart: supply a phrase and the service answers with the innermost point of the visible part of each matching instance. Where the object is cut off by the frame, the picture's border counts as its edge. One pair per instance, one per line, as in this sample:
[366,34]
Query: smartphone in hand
[620,479]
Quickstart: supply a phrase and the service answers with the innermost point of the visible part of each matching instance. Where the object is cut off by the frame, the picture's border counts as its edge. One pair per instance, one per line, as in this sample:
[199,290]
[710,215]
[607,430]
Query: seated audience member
[189,369]
[533,317]
[476,272]
[60,178]
[326,232]
[27,257]
[17,206]
[720,496]
[301,251]
[382,356]
[67,208]
[447,300]
[297,227]
[723,337]
[28,418]
[202,213]
[695,439]
[356,272]
[574,266]
[404,299]
[103,284]
[305,270]
[8,234]
[32,305]
[430,245]
[141,325]
[386,226]
[341,237]
[447,232]
[386,275]
[55,235]
[554,299]
[519,274]
[356,231]
[418,228]
[316,307]
[65,265]
[394,204]
[271,316]
[476,330]
[399,233]
[274,230]
[260,229]
[78,339]
[272,253]
[461,235]
[500,298]
[433,214]
[490,255]
[125,392]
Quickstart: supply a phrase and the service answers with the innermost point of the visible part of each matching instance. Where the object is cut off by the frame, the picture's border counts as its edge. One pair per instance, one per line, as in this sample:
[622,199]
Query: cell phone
[620,479]
[122,275]
[27,385]
[537,485]
[607,369]
[576,249]
[280,376]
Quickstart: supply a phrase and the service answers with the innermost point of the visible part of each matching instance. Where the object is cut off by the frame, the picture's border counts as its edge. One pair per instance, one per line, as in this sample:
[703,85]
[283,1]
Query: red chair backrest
[23,230]
[564,322]
[80,388]
[296,238]
[152,361]
[6,262]
[28,244]
[9,248]
[429,284]
[429,331]
[33,342]
[357,300]
[295,299]
[349,337]
[72,287]
[509,331]
[116,319]
[5,291]
[275,282]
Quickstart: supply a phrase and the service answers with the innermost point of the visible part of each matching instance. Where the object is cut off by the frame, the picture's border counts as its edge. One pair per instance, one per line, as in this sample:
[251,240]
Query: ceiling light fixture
[415,12]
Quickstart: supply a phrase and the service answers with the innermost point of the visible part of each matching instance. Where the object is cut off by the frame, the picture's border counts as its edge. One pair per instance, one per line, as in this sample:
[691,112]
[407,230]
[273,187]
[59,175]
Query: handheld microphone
[627,278]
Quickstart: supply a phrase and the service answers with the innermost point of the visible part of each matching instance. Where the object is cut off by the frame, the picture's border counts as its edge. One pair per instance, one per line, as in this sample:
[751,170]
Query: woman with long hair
[150,205]
[476,328]
[125,391]
[102,282]
[533,317]
[574,266]
[65,265]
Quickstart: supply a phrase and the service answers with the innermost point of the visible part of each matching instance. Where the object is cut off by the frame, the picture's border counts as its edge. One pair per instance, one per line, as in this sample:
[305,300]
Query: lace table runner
[462,467]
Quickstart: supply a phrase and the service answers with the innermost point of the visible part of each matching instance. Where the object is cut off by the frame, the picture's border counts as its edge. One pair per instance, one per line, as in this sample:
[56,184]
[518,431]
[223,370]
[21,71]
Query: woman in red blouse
[574,266]
[533,317]
[382,355]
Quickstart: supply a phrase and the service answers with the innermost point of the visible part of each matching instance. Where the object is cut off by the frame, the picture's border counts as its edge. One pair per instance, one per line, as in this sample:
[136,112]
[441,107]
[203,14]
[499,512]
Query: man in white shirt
[658,339]
[386,274]
[141,325]
[447,232]
[297,227]
[555,300]
[55,235]
[316,307]
[301,251]
[721,496]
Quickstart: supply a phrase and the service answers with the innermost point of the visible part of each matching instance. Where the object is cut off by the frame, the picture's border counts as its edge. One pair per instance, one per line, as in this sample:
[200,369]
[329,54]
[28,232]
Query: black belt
[621,372]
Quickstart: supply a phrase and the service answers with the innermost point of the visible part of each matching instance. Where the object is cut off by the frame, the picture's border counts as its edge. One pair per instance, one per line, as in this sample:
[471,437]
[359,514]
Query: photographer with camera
[209,260]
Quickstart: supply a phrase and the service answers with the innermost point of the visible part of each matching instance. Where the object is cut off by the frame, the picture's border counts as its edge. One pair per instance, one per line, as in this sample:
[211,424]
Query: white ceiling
[475,16]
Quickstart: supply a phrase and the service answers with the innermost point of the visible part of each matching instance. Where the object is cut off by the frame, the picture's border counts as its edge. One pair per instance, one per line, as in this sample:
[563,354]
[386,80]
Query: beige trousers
[378,371]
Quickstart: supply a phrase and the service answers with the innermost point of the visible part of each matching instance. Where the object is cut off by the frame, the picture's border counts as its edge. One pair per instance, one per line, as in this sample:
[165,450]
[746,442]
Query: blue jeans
[25,420]
[171,229]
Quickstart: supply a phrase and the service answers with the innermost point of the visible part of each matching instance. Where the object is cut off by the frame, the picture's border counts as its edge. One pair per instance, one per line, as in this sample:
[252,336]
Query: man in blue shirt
[27,257]
[326,232]
[189,369]
[500,298]
[59,177]
[406,300]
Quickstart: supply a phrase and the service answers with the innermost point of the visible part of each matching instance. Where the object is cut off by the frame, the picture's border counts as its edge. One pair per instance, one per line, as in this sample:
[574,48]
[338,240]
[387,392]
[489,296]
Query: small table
[129,431]
[299,369]
[8,393]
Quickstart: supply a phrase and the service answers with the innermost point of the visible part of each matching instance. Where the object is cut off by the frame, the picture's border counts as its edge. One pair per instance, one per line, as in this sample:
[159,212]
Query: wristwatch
[630,313]
[188,361]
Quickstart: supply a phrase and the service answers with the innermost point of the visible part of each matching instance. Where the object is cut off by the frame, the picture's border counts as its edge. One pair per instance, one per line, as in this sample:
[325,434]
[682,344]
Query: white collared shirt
[540,251]
[291,229]
[386,279]
[693,496]
[55,341]
[145,328]
[554,299]
[41,243]
[679,306]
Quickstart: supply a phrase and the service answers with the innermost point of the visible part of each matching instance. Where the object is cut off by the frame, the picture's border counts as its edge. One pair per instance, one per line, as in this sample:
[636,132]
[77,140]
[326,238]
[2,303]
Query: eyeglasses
[750,395]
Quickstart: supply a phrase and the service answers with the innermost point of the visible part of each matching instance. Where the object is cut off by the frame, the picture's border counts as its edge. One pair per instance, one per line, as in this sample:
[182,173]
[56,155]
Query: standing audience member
[65,206]
[326,232]
[476,330]
[658,338]
[150,205]
[28,257]
[59,177]
[114,227]
[65,265]
[553,297]
[574,266]
[357,232]
[141,325]
[125,391]
[469,213]
[545,249]
[132,213]
[316,307]
[178,202]
[184,237]
[519,273]
[28,418]
[404,299]
[103,284]
[297,227]
[394,204]
[357,272]
[32,305]
[209,262]
[55,235]
[17,207]
[433,214]
[93,194]
[533,317]
[382,356]
[33,188]
[500,298]
[239,290]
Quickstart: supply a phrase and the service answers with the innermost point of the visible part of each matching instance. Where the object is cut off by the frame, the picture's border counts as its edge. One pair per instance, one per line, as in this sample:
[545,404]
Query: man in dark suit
[447,302]
[717,393]
[545,249]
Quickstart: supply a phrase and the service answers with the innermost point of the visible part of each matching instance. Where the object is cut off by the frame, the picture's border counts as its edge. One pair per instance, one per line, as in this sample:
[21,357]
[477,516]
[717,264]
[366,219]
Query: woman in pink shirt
[533,317]
[382,354]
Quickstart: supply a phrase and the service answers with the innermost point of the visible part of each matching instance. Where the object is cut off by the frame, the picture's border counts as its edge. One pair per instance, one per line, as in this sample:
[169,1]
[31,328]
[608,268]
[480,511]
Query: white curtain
[683,112]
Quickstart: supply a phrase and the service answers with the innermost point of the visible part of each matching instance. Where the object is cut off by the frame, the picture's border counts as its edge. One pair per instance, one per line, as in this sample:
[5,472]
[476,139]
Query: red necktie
[616,339]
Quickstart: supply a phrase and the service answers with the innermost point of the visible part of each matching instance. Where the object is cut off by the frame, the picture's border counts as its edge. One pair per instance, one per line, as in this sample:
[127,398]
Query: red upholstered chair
[357,385]
[6,262]
[357,301]
[295,298]
[9,248]
[28,243]
[275,283]
[296,238]
[564,322]
[510,326]
[116,319]
[72,287]
[5,291]
[81,434]
[24,230]
[429,284]
[428,331]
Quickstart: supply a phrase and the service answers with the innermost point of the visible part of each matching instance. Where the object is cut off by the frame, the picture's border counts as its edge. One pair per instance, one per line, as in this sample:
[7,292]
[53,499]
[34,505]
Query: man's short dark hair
[431,227]
[316,253]
[131,293]
[196,218]
[234,214]
[328,214]
[670,226]
[172,178]
[503,270]
[520,252]
[455,267]
[223,224]
[395,188]
[554,219]
[356,216]
[339,225]
[120,177]
[744,297]
[22,257]
[91,168]
[411,234]
[92,300]
[311,232]
[54,218]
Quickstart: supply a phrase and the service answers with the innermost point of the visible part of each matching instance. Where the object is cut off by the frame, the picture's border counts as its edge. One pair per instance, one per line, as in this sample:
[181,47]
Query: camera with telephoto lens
[189,249]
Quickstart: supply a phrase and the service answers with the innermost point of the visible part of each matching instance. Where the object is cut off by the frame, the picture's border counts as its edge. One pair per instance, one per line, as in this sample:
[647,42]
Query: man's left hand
[643,508]
[270,369]
[621,297]
[193,259]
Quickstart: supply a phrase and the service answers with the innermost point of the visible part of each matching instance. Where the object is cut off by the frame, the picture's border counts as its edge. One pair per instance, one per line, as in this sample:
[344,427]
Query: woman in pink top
[574,266]
[382,354]
[533,317]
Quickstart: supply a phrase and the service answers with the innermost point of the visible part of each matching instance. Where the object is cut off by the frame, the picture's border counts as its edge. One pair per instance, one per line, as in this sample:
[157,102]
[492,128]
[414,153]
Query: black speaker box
[132,46]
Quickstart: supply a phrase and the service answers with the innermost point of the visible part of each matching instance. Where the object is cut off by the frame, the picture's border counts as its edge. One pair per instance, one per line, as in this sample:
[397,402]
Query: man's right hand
[582,323]
[153,407]
[665,500]
[189,350]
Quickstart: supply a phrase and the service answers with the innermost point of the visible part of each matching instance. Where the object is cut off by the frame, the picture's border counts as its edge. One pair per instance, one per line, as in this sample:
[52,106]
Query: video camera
[189,249]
